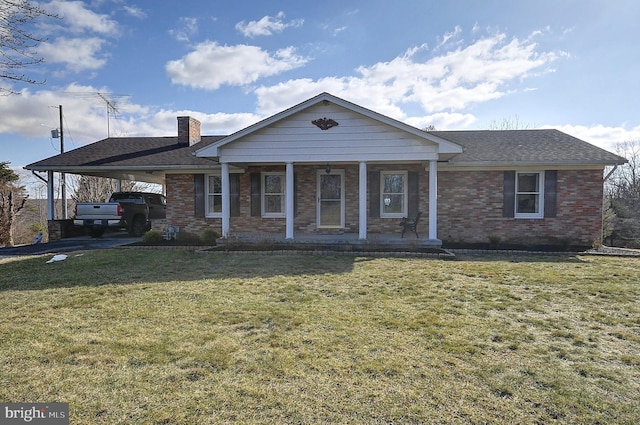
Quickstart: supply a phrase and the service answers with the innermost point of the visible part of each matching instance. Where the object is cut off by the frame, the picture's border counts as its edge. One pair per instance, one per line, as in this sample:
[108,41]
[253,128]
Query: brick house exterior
[327,166]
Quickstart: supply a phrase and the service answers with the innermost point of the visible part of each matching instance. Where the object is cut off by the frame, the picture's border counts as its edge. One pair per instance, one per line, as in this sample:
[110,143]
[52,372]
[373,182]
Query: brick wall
[478,194]
[469,207]
[181,206]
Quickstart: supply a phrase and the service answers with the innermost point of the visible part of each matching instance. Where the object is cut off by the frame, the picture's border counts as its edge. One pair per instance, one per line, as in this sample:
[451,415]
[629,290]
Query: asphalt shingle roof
[126,152]
[482,147]
[525,147]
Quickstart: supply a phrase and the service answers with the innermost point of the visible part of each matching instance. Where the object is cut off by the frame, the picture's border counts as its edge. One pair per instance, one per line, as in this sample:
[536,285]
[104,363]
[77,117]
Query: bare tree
[98,189]
[17,43]
[12,199]
[622,192]
[509,123]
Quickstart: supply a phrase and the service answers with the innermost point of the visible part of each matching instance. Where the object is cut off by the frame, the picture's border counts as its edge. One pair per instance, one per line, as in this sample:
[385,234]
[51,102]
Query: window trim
[263,194]
[207,193]
[405,203]
[540,194]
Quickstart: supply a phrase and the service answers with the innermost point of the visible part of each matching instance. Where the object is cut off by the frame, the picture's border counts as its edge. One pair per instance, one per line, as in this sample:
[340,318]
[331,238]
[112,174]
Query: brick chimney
[188,131]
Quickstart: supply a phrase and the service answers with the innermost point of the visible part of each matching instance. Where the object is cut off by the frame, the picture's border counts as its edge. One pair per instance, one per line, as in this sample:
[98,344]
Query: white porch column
[433,200]
[51,201]
[289,200]
[362,204]
[226,204]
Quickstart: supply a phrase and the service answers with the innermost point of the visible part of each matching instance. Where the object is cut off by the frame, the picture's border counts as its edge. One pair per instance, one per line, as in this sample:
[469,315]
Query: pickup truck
[132,211]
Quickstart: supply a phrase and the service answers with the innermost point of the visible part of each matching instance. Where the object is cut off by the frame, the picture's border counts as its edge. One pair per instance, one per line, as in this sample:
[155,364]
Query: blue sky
[459,64]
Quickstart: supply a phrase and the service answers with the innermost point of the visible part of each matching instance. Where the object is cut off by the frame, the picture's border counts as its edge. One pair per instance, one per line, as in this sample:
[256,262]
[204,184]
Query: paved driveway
[109,240]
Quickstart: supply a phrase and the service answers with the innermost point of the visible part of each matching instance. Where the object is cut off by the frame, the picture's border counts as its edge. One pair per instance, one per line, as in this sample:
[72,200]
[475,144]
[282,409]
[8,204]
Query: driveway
[109,240]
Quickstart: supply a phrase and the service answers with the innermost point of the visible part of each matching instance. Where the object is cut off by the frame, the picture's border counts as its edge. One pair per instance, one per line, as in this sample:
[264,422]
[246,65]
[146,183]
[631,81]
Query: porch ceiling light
[328,169]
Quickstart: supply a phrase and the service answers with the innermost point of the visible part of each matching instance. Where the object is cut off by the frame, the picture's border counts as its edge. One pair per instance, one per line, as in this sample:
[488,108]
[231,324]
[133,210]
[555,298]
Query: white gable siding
[356,138]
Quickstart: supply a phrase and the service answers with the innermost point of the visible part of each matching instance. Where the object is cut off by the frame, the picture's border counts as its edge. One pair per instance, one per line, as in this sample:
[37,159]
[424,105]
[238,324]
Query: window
[529,195]
[214,195]
[393,199]
[273,196]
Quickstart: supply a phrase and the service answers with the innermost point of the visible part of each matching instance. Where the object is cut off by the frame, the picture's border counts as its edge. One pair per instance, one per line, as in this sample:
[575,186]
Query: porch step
[355,248]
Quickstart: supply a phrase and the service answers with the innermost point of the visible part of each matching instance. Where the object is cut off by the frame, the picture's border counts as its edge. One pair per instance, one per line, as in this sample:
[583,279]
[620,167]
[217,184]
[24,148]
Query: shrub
[495,240]
[209,236]
[152,236]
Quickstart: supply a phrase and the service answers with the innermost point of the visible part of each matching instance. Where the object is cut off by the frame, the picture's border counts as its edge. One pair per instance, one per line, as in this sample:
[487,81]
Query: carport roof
[133,153]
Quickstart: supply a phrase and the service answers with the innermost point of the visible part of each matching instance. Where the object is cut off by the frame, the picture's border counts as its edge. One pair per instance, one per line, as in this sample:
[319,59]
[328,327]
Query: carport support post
[288,193]
[51,202]
[362,204]
[226,212]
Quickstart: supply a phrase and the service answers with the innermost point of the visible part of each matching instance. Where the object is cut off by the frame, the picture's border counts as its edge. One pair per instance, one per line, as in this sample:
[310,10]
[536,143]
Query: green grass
[172,337]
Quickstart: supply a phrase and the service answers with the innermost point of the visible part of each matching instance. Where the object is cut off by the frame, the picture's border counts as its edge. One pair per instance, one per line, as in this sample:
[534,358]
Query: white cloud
[267,25]
[486,69]
[78,54]
[77,39]
[77,18]
[443,121]
[450,35]
[134,11]
[32,115]
[606,137]
[188,28]
[211,65]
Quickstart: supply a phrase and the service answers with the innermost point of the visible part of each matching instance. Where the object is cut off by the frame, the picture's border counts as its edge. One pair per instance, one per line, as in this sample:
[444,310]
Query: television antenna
[111,108]
[109,99]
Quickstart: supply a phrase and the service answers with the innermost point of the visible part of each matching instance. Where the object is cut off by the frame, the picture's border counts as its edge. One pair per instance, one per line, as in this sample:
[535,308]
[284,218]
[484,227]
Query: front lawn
[173,337]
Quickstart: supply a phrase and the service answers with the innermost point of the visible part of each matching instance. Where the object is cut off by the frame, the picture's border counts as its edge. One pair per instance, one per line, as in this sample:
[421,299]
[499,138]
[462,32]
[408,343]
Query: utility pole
[63,184]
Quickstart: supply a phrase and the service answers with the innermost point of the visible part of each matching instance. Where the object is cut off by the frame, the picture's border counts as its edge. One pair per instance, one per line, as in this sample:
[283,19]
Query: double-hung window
[214,195]
[394,197]
[273,194]
[529,194]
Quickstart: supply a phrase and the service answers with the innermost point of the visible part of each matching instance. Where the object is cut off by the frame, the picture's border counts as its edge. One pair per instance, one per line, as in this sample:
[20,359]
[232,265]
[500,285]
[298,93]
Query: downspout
[39,176]
[615,167]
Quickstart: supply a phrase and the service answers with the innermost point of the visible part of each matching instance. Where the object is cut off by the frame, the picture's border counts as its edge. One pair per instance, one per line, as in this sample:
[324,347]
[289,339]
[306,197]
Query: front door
[330,209]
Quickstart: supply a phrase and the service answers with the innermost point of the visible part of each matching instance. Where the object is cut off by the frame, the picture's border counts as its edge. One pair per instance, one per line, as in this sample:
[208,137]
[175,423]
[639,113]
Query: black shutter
[234,195]
[414,193]
[550,192]
[374,194]
[256,209]
[198,194]
[509,194]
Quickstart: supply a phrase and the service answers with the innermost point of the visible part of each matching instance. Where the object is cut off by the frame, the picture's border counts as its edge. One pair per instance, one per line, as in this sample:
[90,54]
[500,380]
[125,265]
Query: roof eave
[119,167]
[540,164]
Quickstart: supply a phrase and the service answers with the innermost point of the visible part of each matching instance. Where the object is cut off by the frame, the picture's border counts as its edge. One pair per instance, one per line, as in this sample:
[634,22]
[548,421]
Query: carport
[143,159]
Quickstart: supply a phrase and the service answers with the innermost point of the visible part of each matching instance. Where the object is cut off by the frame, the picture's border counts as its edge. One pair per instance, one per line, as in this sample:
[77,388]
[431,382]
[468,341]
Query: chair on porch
[410,225]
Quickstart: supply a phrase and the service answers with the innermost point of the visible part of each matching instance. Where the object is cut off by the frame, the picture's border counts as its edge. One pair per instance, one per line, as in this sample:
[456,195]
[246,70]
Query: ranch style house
[330,167]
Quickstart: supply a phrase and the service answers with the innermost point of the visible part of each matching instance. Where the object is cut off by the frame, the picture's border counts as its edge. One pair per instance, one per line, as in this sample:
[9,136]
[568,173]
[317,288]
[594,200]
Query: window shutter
[256,209]
[234,195]
[414,193]
[198,192]
[550,192]
[509,194]
[374,194]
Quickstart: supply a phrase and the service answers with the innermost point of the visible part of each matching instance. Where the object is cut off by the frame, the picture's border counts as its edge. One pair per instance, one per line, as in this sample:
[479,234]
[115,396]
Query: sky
[130,67]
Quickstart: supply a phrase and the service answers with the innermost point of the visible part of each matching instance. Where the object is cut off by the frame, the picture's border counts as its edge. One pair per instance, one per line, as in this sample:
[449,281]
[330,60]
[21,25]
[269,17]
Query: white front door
[330,208]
